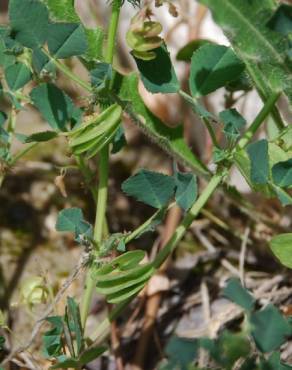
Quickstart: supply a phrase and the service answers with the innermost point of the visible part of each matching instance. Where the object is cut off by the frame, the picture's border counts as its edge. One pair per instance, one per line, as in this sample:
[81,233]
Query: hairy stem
[22,152]
[199,110]
[258,121]
[103,170]
[102,331]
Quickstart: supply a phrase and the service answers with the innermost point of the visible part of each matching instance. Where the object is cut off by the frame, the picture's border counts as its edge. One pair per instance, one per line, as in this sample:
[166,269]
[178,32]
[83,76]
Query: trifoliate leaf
[158,74]
[71,219]
[152,188]
[17,75]
[269,329]
[212,66]
[233,123]
[238,294]
[282,173]
[281,246]
[181,352]
[259,159]
[66,40]
[29,22]
[55,106]
[52,339]
[186,189]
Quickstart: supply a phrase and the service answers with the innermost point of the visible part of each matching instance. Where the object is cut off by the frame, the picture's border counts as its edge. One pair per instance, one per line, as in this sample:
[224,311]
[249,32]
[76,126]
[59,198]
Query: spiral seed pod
[143,37]
[99,131]
[123,277]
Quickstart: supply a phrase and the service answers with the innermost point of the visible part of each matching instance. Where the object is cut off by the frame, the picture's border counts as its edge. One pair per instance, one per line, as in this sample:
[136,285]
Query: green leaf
[52,339]
[227,349]
[3,118]
[39,137]
[29,22]
[212,66]
[2,343]
[239,295]
[169,139]
[186,52]
[269,329]
[233,122]
[95,39]
[75,321]
[160,188]
[283,196]
[262,50]
[274,363]
[282,173]
[101,75]
[66,40]
[71,219]
[6,59]
[241,83]
[55,106]
[62,10]
[181,352]
[259,159]
[91,354]
[186,189]
[4,136]
[158,75]
[17,75]
[281,20]
[12,46]
[41,62]
[65,363]
[281,246]
[119,140]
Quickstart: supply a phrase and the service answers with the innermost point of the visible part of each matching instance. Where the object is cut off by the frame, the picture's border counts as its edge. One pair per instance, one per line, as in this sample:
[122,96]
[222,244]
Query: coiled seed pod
[143,37]
[99,131]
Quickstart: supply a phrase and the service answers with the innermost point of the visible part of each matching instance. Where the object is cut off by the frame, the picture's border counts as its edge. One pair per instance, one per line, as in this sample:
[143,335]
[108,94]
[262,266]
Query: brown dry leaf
[59,182]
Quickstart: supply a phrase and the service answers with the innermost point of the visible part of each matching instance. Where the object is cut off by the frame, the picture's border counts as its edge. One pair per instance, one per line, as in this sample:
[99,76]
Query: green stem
[112,30]
[189,218]
[103,170]
[215,181]
[202,113]
[67,72]
[103,329]
[258,121]
[21,153]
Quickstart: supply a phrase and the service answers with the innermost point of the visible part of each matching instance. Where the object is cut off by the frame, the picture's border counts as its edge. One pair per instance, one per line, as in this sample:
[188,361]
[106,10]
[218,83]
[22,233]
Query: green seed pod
[143,37]
[97,132]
